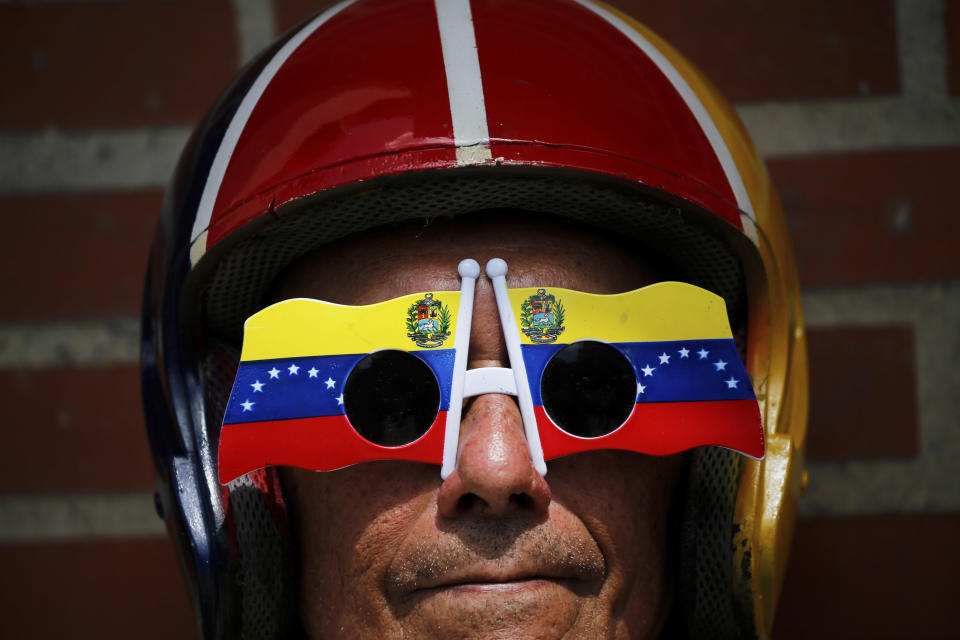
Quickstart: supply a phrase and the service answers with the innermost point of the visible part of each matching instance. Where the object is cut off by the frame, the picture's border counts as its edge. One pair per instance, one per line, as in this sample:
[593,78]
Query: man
[360,159]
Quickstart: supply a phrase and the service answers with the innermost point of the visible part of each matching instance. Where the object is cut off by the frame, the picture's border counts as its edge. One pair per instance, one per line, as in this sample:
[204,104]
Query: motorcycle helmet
[383,111]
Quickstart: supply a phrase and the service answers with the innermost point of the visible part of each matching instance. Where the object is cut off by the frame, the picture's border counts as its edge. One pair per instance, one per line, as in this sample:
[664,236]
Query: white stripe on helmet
[464,84]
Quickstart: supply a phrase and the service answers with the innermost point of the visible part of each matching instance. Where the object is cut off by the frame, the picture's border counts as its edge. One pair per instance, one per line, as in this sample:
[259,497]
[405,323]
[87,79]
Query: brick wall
[855,104]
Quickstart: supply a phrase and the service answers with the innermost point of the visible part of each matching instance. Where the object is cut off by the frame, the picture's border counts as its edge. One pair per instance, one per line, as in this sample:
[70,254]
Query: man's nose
[494,474]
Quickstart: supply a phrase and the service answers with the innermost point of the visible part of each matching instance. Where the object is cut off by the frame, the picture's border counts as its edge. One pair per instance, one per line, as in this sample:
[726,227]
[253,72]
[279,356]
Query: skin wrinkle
[388,550]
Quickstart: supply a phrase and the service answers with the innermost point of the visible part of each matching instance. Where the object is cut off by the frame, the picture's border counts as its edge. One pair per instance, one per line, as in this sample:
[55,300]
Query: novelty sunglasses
[321,386]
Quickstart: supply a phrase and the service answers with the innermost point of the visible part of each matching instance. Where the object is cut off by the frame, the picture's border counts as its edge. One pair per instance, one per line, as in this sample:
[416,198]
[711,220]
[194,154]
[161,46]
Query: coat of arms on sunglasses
[542,316]
[428,322]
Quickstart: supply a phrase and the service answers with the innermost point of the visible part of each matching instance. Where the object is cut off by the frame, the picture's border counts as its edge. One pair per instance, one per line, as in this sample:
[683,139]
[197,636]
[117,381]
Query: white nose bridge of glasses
[466,384]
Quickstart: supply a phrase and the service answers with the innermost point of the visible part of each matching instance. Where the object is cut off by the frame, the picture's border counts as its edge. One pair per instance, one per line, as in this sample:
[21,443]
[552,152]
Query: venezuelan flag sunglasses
[322,386]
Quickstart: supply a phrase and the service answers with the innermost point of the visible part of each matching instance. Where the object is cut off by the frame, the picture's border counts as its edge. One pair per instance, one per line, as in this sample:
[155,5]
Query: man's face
[388,550]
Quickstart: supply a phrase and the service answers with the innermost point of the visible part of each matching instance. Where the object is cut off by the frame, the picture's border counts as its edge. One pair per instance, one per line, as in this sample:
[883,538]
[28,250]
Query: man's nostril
[522,500]
[466,501]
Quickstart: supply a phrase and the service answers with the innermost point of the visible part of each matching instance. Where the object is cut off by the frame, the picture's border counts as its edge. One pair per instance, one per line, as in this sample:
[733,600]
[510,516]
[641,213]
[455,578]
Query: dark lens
[588,389]
[391,398]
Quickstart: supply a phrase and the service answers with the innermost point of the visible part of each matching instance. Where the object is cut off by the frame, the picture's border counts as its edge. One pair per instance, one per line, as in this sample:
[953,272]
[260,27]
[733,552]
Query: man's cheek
[628,501]
[345,562]
[384,517]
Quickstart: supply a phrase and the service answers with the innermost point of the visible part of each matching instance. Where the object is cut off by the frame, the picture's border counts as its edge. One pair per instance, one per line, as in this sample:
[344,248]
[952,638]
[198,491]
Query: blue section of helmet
[667,371]
[288,388]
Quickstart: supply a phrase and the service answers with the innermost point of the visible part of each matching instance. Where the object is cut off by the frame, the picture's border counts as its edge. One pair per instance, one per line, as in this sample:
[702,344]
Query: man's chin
[525,608]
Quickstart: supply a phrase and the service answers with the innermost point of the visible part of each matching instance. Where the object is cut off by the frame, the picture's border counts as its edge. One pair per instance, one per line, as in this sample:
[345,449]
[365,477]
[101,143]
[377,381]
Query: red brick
[884,216]
[872,577]
[105,590]
[863,392]
[75,256]
[952,18]
[758,50]
[74,429]
[114,64]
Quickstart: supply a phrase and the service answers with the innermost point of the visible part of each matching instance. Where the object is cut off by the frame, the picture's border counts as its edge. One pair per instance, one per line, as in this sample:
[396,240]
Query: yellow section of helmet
[766,505]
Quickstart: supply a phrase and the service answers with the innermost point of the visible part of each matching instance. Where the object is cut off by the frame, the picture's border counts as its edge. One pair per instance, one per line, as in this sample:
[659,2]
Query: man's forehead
[382,264]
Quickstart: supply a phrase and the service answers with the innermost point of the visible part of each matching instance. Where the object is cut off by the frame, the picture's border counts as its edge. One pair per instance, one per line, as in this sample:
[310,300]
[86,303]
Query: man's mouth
[495,557]
[454,568]
[492,581]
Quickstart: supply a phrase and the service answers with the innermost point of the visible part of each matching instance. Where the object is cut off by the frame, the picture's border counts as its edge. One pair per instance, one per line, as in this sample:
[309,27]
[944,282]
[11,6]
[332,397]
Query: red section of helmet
[366,85]
[366,95]
[560,76]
